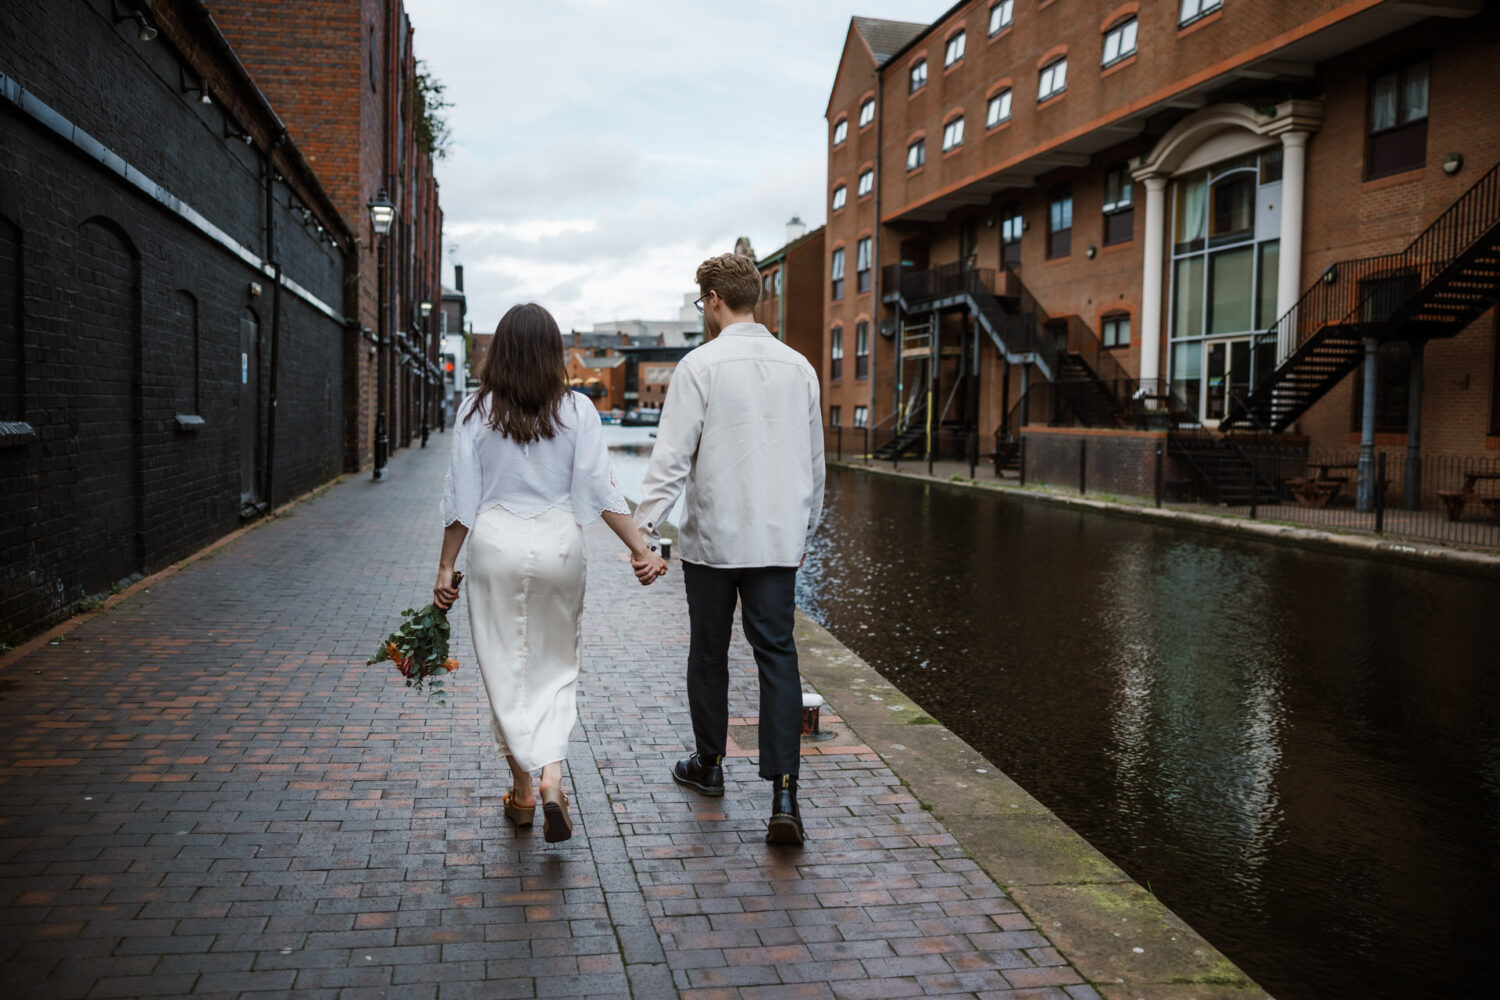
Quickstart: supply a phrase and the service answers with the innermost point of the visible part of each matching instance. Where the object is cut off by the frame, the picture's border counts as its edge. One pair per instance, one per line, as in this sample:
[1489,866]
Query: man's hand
[445,591]
[648,567]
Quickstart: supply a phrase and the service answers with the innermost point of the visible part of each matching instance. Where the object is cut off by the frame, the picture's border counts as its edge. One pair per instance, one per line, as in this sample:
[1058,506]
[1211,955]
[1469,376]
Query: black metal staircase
[1436,287]
[910,440]
[1223,471]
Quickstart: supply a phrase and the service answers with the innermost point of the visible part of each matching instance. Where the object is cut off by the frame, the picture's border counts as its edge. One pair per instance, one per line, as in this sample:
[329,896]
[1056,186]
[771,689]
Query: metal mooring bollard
[811,703]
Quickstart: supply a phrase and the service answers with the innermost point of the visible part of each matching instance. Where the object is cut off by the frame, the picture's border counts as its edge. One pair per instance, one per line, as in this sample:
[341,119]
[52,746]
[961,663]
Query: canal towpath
[208,793]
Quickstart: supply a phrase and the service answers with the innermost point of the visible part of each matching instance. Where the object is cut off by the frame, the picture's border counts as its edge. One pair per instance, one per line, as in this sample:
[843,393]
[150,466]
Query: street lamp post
[382,214]
[426,361]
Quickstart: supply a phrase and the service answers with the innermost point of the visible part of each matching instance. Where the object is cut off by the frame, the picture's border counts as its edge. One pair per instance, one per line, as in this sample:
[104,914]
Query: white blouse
[569,470]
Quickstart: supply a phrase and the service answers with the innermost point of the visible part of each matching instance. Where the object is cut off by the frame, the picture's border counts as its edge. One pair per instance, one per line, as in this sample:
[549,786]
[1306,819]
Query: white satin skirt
[525,589]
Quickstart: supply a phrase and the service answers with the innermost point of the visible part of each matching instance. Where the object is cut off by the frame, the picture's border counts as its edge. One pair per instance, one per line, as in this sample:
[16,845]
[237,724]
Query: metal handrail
[1357,291]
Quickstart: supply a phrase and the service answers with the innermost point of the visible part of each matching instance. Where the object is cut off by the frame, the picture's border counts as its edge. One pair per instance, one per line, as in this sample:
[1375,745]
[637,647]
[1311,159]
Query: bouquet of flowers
[419,648]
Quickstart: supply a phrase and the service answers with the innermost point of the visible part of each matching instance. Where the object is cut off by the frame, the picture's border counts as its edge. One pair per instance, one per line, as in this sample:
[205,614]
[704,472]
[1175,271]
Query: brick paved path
[206,792]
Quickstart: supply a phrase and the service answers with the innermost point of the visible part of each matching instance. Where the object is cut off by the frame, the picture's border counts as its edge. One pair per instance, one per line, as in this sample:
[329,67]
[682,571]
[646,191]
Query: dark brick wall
[1113,462]
[123,316]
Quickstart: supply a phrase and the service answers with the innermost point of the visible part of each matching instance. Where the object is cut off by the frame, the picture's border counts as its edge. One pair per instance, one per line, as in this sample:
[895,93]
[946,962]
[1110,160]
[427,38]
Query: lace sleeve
[593,488]
[461,487]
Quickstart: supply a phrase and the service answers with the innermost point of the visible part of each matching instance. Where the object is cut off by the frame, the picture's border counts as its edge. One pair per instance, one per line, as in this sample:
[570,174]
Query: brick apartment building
[791,293]
[172,301]
[1068,219]
[344,77]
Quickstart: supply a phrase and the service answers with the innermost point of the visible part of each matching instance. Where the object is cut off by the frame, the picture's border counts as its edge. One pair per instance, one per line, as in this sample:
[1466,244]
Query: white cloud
[603,148]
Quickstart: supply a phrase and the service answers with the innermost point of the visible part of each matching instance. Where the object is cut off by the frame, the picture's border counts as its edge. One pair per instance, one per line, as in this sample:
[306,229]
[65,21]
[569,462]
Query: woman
[529,468]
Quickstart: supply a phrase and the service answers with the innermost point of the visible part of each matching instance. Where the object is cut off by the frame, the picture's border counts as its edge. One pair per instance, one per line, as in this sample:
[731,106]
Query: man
[742,427]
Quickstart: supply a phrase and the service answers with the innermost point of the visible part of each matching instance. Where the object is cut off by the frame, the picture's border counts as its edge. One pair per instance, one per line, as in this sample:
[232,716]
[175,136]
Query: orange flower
[451,665]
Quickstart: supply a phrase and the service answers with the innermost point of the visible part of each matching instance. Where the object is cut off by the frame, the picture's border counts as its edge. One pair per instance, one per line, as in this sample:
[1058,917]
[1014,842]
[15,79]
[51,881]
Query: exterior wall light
[1453,163]
[426,308]
[1091,251]
[1330,275]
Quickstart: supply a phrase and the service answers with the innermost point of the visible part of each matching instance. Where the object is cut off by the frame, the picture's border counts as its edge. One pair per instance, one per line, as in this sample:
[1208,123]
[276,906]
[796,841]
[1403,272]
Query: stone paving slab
[206,792]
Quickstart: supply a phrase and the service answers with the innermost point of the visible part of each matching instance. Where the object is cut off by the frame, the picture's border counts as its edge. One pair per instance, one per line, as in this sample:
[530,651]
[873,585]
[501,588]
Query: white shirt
[742,426]
[569,470]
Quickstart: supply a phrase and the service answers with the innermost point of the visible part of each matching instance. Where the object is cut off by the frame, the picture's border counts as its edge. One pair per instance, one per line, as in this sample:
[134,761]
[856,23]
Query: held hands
[648,566]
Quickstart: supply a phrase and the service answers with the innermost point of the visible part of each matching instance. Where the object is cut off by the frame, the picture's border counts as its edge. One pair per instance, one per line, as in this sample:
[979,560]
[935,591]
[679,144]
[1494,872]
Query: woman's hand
[445,591]
[648,566]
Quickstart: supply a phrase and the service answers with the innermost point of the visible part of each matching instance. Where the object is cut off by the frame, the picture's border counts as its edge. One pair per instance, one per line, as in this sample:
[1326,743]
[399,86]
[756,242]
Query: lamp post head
[382,213]
[426,308]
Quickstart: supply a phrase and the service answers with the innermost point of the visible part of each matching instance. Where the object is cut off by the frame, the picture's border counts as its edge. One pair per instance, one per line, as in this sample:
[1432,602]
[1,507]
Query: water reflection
[1297,751]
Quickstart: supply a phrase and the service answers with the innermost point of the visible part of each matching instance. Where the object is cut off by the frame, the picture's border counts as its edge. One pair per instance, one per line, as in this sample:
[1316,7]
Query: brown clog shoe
[556,826]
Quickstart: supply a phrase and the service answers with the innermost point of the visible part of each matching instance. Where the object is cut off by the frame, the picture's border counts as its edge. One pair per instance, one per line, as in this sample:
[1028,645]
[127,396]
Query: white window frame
[840,195]
[1052,80]
[916,155]
[999,109]
[1001,15]
[862,254]
[1122,39]
[867,112]
[840,131]
[918,77]
[861,416]
[955,50]
[1191,10]
[1121,323]
[866,182]
[953,134]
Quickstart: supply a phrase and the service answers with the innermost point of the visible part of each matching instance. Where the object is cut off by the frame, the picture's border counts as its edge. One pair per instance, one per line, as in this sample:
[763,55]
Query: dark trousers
[768,611]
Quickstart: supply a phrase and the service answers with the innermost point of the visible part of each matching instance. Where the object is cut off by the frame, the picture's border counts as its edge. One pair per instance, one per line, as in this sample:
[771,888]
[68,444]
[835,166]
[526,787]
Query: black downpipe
[275,312]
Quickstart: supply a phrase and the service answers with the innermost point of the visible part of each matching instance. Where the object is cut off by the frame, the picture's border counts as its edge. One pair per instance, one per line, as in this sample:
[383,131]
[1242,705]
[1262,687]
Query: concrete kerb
[1405,551]
[1119,936]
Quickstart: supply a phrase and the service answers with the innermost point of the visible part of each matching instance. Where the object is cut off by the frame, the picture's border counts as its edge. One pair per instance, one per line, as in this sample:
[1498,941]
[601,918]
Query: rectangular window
[953,134]
[836,354]
[1010,236]
[1000,15]
[1398,121]
[1119,42]
[861,416]
[999,110]
[1187,298]
[1119,206]
[840,131]
[916,154]
[867,112]
[1187,372]
[861,356]
[1229,286]
[837,272]
[1060,223]
[1053,80]
[918,76]
[834,414]
[1266,314]
[1191,10]
[955,50]
[862,264]
[765,283]
[1231,202]
[840,193]
[866,182]
[776,282]
[1192,214]
[1115,330]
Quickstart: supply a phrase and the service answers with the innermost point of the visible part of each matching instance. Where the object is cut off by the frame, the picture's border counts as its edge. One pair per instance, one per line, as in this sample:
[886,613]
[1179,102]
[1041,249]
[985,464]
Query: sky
[603,148]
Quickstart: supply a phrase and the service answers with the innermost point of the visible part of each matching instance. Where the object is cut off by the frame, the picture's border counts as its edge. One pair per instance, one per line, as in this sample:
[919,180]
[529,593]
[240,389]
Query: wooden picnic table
[1319,490]
[1455,500]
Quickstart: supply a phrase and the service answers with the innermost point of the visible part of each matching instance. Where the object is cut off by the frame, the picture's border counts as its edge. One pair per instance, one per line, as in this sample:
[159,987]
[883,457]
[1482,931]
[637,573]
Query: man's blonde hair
[735,277]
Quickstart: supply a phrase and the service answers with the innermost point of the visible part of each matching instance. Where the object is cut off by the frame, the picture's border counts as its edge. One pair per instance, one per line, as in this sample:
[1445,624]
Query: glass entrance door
[1226,370]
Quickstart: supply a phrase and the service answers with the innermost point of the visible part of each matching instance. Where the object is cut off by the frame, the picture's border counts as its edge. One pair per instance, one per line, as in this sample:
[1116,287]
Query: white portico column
[1151,284]
[1289,266]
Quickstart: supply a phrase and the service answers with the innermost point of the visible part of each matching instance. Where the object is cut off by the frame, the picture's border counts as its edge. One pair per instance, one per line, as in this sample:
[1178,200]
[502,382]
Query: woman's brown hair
[523,379]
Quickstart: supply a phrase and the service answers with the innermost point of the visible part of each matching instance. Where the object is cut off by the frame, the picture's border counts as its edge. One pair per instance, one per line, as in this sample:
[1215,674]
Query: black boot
[786,822]
[704,778]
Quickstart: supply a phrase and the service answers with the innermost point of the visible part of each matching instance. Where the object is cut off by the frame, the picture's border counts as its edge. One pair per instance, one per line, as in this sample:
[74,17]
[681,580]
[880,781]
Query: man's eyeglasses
[701,299]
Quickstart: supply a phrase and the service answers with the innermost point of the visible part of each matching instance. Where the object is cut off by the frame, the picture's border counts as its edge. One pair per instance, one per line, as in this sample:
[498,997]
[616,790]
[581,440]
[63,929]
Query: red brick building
[1114,217]
[791,292]
[343,76]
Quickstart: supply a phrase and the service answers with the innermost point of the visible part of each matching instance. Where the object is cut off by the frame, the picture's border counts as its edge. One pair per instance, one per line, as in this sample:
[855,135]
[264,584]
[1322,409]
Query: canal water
[1297,752]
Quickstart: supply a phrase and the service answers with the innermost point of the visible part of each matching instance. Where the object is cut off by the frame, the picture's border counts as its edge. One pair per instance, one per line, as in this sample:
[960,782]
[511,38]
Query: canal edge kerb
[1124,941]
[1405,551]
